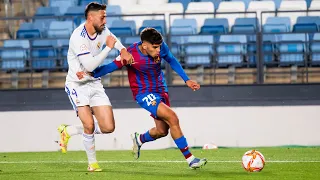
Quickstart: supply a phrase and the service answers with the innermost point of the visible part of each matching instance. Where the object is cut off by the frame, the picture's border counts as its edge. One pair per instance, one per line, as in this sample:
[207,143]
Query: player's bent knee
[173,119]
[88,128]
[163,133]
[108,129]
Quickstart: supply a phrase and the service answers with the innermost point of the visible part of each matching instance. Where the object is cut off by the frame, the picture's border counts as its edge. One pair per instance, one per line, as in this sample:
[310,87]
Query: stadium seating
[215,26]
[292,49]
[183,2]
[16,55]
[60,29]
[43,54]
[258,7]
[123,28]
[299,5]
[157,24]
[200,7]
[231,11]
[315,49]
[228,34]
[309,24]
[199,50]
[232,53]
[215,3]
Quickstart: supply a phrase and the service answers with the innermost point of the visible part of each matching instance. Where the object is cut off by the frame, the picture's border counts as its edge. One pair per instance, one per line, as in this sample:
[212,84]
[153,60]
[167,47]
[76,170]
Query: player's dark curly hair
[94,6]
[151,35]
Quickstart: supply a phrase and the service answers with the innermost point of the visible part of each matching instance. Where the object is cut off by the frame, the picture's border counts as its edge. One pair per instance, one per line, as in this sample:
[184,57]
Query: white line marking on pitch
[53,162]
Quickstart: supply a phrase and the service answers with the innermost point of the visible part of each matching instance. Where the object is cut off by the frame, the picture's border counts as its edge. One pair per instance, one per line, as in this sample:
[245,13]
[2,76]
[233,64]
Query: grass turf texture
[224,163]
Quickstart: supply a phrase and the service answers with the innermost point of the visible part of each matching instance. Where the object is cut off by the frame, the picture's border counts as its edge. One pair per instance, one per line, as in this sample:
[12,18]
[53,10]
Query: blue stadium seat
[48,11]
[183,2]
[245,25]
[130,40]
[199,50]
[60,29]
[55,2]
[182,27]
[233,52]
[273,25]
[315,49]
[269,48]
[43,54]
[112,12]
[215,26]
[77,12]
[215,2]
[123,28]
[292,49]
[307,24]
[248,26]
[28,30]
[14,58]
[159,25]
[86,2]
[180,30]
[63,5]
[277,25]
[63,44]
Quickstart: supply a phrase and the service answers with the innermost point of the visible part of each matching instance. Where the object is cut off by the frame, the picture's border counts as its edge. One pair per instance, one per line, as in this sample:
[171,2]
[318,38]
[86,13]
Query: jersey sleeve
[109,68]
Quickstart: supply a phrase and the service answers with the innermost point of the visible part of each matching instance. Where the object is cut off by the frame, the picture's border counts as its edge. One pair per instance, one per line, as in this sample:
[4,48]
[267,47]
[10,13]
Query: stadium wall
[180,96]
[245,126]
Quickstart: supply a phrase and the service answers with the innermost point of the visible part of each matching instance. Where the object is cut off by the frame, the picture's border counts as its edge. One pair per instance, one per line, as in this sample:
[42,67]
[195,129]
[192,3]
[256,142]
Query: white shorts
[87,94]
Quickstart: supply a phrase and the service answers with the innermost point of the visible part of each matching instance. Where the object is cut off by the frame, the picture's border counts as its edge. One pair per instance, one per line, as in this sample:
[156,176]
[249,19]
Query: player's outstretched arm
[90,62]
[109,68]
[176,66]
[125,55]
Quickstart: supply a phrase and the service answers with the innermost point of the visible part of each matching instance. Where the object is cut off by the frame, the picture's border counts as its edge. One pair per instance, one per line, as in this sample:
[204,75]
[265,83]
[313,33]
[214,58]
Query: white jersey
[80,44]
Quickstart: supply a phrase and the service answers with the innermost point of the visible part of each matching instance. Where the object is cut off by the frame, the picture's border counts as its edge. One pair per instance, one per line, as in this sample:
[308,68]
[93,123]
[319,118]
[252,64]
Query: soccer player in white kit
[88,96]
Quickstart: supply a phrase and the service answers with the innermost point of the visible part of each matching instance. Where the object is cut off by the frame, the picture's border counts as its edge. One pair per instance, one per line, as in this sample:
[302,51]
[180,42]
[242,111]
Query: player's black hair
[94,6]
[151,35]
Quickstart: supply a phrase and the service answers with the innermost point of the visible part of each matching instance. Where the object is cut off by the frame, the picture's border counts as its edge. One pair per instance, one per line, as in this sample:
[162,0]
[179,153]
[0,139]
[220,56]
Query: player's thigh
[162,126]
[85,115]
[165,113]
[102,108]
[105,118]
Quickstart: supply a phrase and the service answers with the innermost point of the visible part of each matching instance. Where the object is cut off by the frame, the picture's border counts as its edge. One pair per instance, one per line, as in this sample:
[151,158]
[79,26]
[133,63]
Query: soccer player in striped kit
[149,89]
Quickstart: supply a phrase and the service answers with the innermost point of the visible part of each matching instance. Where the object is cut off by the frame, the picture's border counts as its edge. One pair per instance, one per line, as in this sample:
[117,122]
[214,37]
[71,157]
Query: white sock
[189,159]
[97,128]
[88,142]
[74,130]
[78,129]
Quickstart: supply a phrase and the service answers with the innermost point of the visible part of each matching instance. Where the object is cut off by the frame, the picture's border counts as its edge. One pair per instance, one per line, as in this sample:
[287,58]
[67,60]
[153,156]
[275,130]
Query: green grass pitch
[224,163]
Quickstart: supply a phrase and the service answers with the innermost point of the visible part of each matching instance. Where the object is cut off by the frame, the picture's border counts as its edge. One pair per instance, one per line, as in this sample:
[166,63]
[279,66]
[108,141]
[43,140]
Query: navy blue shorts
[150,101]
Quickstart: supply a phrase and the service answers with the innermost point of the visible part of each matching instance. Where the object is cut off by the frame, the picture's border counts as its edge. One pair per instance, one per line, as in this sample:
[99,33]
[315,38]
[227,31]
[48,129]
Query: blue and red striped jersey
[145,75]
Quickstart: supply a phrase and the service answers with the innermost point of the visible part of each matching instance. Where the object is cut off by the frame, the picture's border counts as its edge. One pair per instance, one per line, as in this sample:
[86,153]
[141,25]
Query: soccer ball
[253,161]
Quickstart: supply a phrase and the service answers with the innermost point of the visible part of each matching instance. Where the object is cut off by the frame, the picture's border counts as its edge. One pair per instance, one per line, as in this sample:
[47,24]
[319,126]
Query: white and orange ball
[253,161]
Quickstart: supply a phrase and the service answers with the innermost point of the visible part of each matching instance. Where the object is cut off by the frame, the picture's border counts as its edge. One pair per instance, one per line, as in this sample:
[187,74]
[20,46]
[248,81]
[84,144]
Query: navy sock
[146,137]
